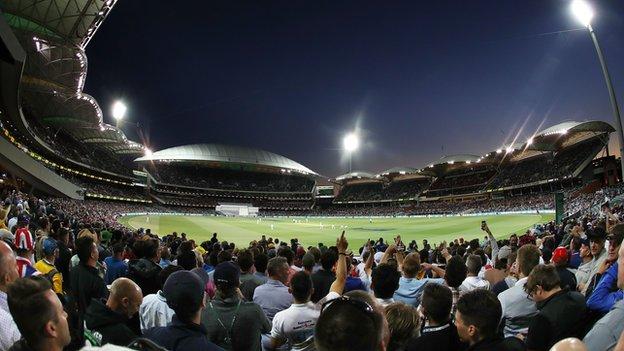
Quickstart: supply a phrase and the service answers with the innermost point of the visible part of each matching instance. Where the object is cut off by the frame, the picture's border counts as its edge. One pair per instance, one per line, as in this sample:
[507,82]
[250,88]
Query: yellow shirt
[44,267]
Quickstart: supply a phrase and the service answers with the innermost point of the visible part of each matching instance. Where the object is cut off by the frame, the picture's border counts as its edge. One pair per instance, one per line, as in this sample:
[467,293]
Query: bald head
[125,297]
[8,267]
[569,344]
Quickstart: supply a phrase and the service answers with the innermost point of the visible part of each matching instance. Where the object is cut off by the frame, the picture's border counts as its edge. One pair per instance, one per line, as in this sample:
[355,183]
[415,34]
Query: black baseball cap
[184,290]
[227,274]
[597,233]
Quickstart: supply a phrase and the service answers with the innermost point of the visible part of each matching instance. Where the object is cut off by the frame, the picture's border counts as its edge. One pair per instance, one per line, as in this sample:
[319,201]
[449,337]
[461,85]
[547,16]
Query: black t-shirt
[442,338]
[568,279]
[321,281]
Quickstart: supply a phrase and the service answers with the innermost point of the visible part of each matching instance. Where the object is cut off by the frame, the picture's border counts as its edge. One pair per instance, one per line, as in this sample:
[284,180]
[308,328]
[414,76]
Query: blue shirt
[164,263]
[273,297]
[115,268]
[606,293]
[353,283]
[410,289]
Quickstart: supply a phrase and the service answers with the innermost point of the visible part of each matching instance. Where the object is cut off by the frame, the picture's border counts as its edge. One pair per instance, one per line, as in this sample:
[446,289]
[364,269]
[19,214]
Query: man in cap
[584,268]
[49,250]
[606,293]
[231,322]
[25,247]
[560,260]
[185,295]
[597,237]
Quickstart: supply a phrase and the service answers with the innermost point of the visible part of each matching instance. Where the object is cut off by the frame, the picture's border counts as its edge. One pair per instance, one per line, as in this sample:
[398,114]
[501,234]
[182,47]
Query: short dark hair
[260,262]
[287,253]
[224,256]
[30,309]
[166,272]
[328,260]
[245,260]
[437,301]
[344,326]
[456,271]
[187,260]
[150,248]
[385,280]
[83,248]
[528,257]
[301,286]
[473,264]
[118,248]
[482,309]
[544,275]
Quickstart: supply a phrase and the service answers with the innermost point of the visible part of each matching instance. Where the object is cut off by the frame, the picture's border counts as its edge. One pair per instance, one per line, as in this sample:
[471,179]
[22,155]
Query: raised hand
[341,243]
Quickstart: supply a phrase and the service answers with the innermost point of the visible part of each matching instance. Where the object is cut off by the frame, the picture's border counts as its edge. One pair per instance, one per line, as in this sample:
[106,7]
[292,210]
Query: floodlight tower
[350,142]
[119,110]
[584,14]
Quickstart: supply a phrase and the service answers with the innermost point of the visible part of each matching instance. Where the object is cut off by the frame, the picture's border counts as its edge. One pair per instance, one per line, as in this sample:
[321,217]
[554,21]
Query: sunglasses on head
[358,304]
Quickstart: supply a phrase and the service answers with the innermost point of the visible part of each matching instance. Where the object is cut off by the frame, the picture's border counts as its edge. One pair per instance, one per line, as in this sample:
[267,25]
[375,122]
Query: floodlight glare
[148,152]
[351,142]
[582,11]
[529,141]
[119,110]
[498,151]
[509,149]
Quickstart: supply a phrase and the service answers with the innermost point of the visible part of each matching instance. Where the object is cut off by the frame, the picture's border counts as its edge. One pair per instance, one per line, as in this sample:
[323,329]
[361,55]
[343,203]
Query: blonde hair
[404,324]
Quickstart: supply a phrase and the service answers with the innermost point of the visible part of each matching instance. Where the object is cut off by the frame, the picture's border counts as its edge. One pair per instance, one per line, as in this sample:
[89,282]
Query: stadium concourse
[74,276]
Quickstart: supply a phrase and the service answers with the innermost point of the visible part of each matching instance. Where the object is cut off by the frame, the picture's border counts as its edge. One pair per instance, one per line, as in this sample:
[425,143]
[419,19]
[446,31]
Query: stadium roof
[399,170]
[226,154]
[356,175]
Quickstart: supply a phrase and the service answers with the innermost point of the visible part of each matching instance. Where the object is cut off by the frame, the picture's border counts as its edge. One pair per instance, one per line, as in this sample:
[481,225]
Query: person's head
[227,278]
[528,258]
[125,297]
[245,260]
[615,240]
[328,260]
[38,313]
[473,265]
[50,249]
[287,253]
[351,322]
[597,240]
[620,263]
[385,280]
[87,251]
[278,269]
[436,302]
[403,323]
[543,282]
[166,272]
[8,266]
[63,235]
[184,292]
[260,262]
[455,272]
[411,265]
[224,256]
[301,287]
[308,262]
[477,316]
[165,254]
[151,250]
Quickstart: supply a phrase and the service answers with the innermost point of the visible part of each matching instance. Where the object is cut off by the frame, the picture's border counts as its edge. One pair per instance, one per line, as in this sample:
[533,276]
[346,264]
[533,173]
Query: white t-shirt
[296,323]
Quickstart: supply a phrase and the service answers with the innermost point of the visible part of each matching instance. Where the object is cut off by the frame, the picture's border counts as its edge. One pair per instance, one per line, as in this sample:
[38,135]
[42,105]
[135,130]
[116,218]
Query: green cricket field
[313,230]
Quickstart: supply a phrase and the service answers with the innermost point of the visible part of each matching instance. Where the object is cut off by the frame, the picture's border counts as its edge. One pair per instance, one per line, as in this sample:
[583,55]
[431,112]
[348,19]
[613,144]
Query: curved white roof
[399,170]
[356,174]
[451,159]
[226,154]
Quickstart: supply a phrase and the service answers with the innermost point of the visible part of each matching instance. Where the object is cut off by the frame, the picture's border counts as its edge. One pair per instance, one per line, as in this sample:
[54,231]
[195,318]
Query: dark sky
[420,78]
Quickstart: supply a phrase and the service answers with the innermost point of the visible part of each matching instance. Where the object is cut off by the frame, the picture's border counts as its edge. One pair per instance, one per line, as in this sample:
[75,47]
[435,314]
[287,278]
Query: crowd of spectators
[72,278]
[378,190]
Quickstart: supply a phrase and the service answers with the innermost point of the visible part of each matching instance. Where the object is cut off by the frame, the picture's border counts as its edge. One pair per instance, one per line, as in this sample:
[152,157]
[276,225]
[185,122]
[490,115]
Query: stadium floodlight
[148,152]
[509,149]
[351,142]
[582,11]
[119,110]
[529,141]
[498,151]
[584,14]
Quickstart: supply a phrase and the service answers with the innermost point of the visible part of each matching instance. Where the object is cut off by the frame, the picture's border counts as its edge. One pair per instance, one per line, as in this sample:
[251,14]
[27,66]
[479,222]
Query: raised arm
[341,266]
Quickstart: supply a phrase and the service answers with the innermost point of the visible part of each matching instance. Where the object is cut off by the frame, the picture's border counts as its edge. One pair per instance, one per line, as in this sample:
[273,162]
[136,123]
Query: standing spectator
[560,310]
[9,333]
[39,315]
[185,295]
[384,282]
[410,288]
[108,322]
[154,311]
[324,278]
[86,284]
[165,257]
[273,296]
[438,333]
[454,276]
[230,322]
[248,281]
[25,247]
[477,318]
[49,250]
[517,310]
[403,324]
[62,262]
[116,267]
[473,281]
[145,270]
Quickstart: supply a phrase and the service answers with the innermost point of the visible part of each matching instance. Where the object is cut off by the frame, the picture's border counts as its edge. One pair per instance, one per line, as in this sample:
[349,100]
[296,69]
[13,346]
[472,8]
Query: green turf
[309,232]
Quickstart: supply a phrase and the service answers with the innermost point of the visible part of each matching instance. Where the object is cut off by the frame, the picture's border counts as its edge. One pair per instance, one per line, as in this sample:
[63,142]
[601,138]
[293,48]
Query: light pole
[350,143]
[584,13]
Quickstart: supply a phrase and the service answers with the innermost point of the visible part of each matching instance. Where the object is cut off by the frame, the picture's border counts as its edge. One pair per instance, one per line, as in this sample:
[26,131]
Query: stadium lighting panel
[119,110]
[351,142]
[582,11]
[529,141]
[498,151]
[509,149]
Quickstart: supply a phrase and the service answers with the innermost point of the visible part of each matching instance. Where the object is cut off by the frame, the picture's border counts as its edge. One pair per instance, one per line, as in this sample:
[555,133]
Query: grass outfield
[309,231]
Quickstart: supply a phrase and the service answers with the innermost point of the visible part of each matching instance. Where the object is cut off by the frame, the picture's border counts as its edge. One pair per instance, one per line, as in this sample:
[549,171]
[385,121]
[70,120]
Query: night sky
[420,79]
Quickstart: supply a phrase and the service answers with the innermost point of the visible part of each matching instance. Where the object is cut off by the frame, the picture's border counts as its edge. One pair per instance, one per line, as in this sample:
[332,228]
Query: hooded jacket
[107,325]
[145,273]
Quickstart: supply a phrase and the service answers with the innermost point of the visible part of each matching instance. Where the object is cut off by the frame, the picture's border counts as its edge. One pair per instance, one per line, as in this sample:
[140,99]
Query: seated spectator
[410,288]
[384,282]
[511,279]
[517,310]
[438,331]
[324,278]
[477,318]
[38,314]
[599,253]
[454,276]
[45,266]
[403,324]
[605,333]
[585,265]
[273,296]
[116,267]
[560,261]
[248,287]
[185,295]
[230,322]
[154,311]
[473,281]
[107,322]
[351,322]
[9,333]
[603,292]
[247,278]
[62,262]
[145,270]
[560,310]
[295,324]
